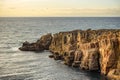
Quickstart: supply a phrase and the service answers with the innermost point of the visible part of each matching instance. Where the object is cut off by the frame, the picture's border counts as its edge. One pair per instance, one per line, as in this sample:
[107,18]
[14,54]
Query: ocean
[20,65]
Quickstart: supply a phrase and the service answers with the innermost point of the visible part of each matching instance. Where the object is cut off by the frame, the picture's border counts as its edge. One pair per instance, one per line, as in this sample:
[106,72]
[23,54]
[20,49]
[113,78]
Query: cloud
[60,12]
[84,12]
[12,8]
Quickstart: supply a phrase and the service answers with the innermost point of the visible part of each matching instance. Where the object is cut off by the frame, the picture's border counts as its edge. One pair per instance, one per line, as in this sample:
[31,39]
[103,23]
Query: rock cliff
[87,49]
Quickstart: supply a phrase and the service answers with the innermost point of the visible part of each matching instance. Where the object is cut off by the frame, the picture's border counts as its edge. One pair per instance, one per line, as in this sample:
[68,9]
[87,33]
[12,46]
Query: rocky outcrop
[42,44]
[89,50]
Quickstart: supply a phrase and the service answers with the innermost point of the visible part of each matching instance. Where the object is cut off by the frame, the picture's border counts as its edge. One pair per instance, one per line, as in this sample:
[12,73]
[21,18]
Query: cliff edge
[87,49]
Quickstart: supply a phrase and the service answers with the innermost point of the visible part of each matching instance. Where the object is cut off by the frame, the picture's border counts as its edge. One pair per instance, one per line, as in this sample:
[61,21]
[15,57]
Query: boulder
[51,56]
[57,56]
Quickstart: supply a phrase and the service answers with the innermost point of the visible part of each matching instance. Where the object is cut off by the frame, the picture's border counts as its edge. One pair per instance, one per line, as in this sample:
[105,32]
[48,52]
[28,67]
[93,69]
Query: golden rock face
[90,50]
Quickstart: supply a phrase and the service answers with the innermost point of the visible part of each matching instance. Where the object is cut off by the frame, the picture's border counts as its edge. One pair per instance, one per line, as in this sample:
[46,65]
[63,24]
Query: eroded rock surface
[90,50]
[87,49]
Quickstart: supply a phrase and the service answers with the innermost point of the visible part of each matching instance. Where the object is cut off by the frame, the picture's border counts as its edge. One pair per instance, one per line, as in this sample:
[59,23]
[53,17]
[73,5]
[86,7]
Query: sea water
[19,65]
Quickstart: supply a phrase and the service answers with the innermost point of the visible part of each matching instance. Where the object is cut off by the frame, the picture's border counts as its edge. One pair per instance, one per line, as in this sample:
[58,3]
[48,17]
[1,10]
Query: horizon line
[51,16]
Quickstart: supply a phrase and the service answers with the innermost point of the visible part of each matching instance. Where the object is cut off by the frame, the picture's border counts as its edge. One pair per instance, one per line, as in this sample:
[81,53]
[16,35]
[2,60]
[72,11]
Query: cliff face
[89,50]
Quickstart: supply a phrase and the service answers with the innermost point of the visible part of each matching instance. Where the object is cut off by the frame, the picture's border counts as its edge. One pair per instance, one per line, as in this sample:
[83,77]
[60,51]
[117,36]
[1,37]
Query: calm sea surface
[18,65]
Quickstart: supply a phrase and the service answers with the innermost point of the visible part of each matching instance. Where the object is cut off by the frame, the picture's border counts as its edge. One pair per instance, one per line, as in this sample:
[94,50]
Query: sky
[59,8]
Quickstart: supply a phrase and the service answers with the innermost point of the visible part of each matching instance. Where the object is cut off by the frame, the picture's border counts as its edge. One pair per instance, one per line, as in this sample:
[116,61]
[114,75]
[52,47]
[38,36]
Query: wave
[14,49]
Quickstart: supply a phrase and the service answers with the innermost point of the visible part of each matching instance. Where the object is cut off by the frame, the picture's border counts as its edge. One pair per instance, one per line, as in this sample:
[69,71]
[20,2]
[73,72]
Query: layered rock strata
[87,49]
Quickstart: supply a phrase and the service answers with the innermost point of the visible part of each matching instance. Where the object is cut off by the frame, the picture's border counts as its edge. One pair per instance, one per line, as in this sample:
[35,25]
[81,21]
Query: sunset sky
[51,8]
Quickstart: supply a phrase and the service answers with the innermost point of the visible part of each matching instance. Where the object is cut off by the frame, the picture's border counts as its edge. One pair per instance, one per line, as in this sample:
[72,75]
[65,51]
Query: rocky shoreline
[94,50]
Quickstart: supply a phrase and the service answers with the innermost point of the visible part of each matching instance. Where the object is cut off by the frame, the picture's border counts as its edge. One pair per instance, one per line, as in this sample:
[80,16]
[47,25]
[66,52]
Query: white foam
[14,48]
